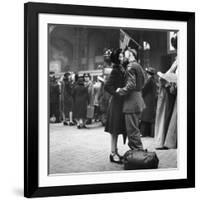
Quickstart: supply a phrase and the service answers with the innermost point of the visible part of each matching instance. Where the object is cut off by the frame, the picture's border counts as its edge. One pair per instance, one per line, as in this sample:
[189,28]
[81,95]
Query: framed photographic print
[109,99]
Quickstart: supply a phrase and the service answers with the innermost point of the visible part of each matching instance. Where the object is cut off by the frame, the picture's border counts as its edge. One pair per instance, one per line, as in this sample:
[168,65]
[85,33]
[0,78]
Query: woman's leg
[114,156]
[70,116]
[71,123]
[64,119]
[63,116]
[81,122]
[84,123]
[114,139]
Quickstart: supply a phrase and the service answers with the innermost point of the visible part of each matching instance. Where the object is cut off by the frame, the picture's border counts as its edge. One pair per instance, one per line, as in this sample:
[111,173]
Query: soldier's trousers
[133,131]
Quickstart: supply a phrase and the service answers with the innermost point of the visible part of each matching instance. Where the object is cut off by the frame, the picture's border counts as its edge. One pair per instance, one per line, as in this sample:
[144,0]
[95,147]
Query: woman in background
[166,113]
[81,100]
[104,97]
[97,90]
[54,100]
[67,99]
[171,136]
[89,85]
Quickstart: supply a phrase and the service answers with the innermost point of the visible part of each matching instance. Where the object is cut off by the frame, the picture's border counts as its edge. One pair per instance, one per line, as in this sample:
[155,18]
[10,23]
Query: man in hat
[149,94]
[133,102]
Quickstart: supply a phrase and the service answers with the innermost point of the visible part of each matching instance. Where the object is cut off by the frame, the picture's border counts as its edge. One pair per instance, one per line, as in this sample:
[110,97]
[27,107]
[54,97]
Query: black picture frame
[31,150]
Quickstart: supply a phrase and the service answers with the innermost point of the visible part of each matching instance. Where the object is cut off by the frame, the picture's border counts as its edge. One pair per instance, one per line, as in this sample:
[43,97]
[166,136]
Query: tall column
[76,49]
[84,47]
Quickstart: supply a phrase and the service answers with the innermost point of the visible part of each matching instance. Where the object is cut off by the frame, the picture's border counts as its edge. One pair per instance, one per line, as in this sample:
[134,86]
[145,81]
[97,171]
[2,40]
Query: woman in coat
[115,123]
[171,137]
[81,100]
[89,85]
[166,114]
[103,102]
[54,100]
[67,100]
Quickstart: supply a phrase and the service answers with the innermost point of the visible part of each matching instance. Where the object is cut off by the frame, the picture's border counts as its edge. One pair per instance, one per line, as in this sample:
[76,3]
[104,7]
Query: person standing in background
[54,100]
[171,136]
[166,113]
[81,100]
[67,99]
[149,94]
[89,85]
[104,97]
[97,90]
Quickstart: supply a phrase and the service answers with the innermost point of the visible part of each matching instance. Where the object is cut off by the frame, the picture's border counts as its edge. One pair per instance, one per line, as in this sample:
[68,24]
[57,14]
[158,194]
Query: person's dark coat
[149,94]
[66,97]
[54,100]
[81,100]
[133,101]
[115,123]
[104,97]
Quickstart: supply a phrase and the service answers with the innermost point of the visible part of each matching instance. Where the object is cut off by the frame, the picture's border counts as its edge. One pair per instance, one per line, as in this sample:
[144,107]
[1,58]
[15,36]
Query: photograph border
[31,96]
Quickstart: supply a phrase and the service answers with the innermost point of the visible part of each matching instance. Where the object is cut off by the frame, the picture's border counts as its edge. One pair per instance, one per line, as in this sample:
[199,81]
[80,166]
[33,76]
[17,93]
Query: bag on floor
[138,159]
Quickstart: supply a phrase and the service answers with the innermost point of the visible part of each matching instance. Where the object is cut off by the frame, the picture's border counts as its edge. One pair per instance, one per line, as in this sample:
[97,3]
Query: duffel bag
[139,159]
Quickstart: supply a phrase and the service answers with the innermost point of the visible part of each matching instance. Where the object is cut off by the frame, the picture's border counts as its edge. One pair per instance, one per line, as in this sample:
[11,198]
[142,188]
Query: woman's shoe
[71,124]
[78,126]
[116,158]
[65,123]
[121,157]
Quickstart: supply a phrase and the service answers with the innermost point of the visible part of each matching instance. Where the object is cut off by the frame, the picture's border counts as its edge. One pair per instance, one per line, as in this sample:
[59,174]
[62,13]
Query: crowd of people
[77,100]
[130,101]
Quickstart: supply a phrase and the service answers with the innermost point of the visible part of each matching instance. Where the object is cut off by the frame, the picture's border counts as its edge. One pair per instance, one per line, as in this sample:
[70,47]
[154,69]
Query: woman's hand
[173,89]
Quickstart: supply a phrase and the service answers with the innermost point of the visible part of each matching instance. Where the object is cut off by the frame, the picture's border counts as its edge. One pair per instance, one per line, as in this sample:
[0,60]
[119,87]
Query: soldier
[133,102]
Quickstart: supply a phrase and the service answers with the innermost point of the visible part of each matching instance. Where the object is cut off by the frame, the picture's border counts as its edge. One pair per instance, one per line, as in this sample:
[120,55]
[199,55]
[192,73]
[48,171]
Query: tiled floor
[87,150]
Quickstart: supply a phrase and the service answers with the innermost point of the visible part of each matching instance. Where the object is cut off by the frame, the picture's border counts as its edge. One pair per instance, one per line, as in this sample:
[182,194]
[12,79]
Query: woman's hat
[115,55]
[107,52]
[66,75]
[80,79]
[86,75]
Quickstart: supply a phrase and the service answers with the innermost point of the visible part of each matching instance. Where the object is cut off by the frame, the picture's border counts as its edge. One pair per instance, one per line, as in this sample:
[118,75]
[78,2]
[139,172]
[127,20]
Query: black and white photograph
[109,100]
[100,99]
[112,99]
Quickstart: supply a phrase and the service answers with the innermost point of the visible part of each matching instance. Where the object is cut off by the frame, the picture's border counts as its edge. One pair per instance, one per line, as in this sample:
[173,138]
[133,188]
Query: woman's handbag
[139,159]
[90,112]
